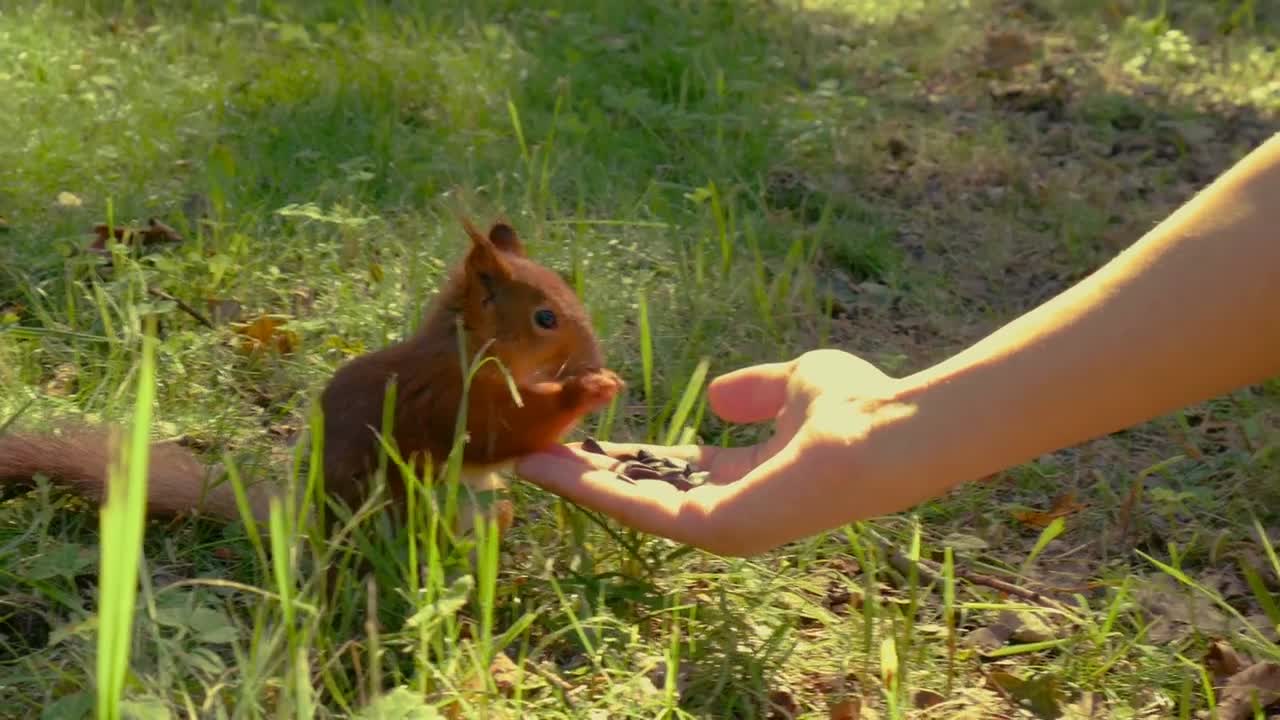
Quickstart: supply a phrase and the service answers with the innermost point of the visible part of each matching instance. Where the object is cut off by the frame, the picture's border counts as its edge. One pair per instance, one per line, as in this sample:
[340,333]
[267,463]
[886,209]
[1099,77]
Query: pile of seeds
[644,465]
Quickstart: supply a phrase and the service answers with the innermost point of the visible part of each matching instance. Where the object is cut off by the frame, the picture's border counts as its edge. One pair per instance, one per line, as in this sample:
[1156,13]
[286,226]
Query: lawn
[726,182]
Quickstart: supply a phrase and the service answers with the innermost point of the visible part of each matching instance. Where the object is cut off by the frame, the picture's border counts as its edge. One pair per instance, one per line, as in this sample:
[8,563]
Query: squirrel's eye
[544,318]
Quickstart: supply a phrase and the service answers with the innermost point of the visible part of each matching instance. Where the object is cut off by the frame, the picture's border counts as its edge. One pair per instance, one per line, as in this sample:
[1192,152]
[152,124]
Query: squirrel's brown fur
[517,310]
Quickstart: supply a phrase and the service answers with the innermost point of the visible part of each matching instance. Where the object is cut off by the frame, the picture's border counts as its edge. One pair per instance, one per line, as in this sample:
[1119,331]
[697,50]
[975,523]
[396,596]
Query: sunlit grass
[724,183]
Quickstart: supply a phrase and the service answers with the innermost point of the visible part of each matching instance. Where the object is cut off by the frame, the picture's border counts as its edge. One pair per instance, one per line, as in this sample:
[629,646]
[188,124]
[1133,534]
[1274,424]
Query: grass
[727,183]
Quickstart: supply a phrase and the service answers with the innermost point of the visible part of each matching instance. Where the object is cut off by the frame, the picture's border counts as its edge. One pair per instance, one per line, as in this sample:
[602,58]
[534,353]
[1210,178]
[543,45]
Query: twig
[562,688]
[1004,586]
[183,306]
[932,572]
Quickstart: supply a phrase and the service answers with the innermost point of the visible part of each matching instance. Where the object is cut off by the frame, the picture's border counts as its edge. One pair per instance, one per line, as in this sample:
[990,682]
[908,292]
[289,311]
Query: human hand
[820,469]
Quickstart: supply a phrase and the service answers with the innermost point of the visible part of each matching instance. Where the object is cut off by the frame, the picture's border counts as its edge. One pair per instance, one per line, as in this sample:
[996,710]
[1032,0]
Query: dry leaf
[989,638]
[923,698]
[265,331]
[1028,626]
[1063,505]
[154,232]
[1260,681]
[506,674]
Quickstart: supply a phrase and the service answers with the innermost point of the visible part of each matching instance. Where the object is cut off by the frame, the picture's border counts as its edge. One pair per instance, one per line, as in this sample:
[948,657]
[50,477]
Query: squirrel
[503,302]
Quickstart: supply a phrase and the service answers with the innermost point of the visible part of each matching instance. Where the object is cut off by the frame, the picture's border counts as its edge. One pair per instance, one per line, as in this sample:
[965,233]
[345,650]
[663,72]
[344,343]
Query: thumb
[752,394]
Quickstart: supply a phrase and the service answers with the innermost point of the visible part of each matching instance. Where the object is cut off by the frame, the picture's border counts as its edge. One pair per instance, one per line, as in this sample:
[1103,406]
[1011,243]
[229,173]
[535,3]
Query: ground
[753,179]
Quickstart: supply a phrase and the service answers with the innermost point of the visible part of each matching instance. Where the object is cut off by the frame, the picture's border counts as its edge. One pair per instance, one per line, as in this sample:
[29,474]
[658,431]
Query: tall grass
[122,519]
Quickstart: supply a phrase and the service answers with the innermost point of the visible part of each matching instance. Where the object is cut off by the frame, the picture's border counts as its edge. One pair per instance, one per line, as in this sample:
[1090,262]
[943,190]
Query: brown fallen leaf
[506,674]
[924,699]
[1020,626]
[1028,626]
[1260,681]
[154,232]
[265,332]
[1063,505]
[989,638]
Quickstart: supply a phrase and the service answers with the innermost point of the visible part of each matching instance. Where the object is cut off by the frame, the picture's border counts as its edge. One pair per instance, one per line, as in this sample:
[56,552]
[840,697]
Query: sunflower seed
[644,465]
[636,471]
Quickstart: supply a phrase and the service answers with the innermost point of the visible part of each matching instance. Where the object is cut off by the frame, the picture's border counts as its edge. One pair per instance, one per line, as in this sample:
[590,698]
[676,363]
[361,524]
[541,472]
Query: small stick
[930,571]
[183,306]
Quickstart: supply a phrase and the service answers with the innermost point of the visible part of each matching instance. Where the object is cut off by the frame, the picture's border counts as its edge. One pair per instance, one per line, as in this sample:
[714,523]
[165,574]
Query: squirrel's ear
[484,257]
[504,237]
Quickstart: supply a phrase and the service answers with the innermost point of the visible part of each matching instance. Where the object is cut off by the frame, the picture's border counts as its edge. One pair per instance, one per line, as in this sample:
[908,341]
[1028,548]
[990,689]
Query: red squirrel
[513,308]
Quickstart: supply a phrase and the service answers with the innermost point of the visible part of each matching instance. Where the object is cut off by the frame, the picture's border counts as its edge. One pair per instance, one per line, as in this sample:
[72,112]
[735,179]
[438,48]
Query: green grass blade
[122,520]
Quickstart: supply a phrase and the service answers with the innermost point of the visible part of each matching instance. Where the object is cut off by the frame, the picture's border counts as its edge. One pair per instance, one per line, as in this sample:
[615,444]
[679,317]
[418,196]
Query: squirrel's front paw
[592,390]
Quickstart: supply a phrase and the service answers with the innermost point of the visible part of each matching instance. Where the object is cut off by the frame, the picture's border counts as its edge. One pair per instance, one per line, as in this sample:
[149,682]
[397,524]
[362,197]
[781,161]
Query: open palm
[755,497]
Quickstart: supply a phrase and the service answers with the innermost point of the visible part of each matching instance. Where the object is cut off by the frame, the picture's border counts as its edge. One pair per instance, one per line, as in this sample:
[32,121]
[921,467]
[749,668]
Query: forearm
[1189,312]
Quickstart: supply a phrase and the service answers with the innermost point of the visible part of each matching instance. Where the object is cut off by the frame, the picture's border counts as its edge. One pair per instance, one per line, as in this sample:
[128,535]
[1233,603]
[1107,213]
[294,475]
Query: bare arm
[1190,311]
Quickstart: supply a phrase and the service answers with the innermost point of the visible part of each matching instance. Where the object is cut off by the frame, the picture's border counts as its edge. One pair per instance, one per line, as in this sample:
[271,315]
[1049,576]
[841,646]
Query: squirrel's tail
[79,459]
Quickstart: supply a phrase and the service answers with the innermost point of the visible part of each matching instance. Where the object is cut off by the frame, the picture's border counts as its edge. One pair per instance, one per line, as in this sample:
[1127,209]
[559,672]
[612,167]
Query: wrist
[930,435]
